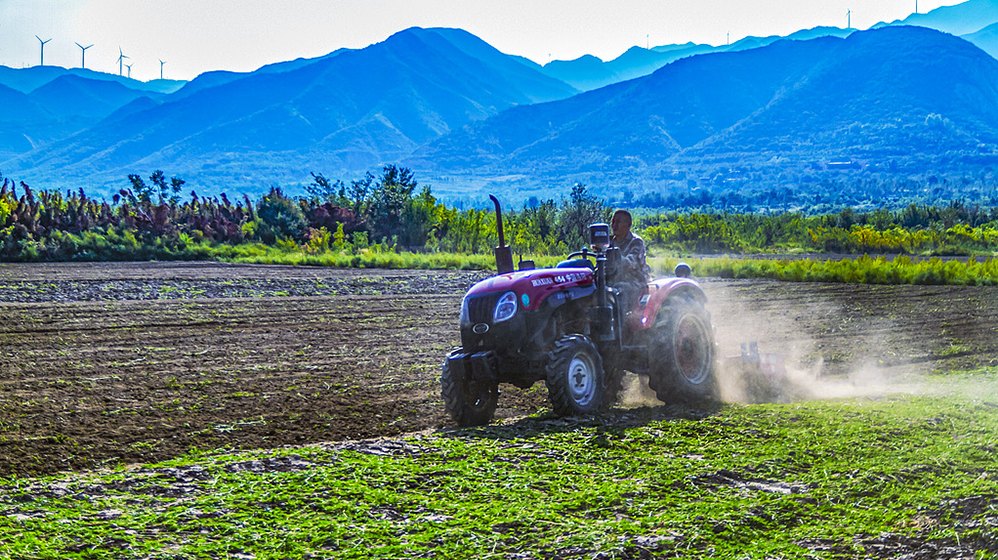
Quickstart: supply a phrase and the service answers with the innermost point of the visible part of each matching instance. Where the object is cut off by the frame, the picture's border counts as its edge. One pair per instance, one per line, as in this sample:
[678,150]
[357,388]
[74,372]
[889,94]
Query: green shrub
[280,217]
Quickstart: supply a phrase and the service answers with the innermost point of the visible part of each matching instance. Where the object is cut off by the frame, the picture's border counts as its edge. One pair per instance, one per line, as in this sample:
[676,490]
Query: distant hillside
[589,72]
[585,73]
[898,99]
[967,17]
[70,95]
[53,103]
[17,106]
[986,39]
[335,114]
[875,96]
[29,79]
[219,77]
[18,118]
[821,109]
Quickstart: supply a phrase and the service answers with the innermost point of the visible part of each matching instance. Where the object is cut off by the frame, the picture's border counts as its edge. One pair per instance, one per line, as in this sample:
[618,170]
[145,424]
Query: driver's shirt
[632,259]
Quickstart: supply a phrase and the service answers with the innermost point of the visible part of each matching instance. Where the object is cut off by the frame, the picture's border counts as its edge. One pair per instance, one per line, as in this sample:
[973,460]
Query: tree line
[156,219]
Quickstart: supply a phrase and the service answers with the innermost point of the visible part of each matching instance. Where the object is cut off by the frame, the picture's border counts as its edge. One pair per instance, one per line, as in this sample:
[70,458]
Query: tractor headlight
[505,308]
[465,314]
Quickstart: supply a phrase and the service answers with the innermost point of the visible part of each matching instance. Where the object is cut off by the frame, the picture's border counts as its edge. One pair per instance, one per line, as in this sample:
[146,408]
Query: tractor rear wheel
[681,353]
[574,376]
[469,402]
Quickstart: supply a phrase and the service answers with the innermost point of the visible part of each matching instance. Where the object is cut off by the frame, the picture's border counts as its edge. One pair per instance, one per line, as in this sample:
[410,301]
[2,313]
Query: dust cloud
[775,350]
[811,352]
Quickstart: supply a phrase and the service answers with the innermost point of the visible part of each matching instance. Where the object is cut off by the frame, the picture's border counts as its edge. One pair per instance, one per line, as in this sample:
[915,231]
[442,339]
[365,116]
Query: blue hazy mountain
[18,122]
[961,19]
[589,72]
[336,114]
[895,100]
[219,77]
[54,103]
[17,105]
[892,98]
[29,79]
[57,109]
[986,39]
[70,95]
[66,102]
[585,73]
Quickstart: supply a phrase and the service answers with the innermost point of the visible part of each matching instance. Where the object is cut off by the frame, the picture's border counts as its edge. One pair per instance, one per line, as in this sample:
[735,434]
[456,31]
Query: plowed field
[134,362]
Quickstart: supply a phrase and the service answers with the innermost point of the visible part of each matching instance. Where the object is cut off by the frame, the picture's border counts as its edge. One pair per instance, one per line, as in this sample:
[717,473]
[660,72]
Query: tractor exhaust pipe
[503,253]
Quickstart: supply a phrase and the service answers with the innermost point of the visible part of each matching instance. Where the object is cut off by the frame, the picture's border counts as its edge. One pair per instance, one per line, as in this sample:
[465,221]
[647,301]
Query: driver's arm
[632,257]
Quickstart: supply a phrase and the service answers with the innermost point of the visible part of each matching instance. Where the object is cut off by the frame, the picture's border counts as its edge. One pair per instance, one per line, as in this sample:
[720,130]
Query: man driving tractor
[634,273]
[561,325]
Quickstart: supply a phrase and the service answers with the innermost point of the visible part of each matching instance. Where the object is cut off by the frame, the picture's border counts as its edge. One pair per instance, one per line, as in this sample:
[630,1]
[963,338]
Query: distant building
[842,164]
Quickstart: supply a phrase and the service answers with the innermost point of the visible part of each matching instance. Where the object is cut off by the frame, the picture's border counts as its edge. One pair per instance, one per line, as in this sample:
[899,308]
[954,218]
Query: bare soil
[136,362]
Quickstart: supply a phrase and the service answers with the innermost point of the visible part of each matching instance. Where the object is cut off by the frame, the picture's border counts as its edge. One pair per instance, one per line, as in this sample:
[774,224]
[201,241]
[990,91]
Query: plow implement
[762,376]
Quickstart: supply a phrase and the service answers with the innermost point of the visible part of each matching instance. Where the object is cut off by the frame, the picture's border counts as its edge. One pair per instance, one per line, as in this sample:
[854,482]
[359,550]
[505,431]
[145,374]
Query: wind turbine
[849,19]
[129,66]
[43,48]
[121,58]
[161,63]
[83,54]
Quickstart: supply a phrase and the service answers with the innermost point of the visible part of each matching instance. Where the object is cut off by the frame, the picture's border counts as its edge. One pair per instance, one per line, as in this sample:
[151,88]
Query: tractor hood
[532,287]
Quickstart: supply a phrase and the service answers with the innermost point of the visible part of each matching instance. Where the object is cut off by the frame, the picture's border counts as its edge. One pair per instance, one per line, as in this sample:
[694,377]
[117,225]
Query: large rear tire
[469,402]
[574,376]
[682,353]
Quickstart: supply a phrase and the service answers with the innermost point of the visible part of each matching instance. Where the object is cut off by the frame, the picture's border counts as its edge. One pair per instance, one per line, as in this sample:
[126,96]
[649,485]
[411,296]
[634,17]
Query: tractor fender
[659,291]
[537,322]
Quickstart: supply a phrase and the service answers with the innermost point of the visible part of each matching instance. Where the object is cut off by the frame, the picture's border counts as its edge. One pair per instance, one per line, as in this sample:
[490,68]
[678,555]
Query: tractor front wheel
[574,376]
[469,402]
[682,353]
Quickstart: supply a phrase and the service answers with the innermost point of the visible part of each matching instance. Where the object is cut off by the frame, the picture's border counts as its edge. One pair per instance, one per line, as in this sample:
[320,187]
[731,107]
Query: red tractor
[563,325]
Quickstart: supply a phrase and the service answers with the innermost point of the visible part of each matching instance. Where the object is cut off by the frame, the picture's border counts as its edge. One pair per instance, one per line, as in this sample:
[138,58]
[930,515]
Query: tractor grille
[481,308]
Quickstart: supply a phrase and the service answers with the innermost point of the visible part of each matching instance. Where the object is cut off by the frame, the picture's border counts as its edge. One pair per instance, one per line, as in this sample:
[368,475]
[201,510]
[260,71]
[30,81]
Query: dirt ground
[103,364]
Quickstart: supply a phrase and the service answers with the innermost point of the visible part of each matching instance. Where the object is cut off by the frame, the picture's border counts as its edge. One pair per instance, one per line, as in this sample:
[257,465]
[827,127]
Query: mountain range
[332,114]
[69,103]
[986,39]
[898,98]
[589,72]
[960,19]
[760,112]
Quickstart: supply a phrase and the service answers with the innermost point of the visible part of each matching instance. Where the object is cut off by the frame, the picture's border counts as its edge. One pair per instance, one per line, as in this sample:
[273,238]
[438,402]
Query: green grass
[261,254]
[808,480]
[859,270]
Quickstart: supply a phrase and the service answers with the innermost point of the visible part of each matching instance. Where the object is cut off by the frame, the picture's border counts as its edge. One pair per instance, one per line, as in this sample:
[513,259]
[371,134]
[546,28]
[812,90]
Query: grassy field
[853,270]
[907,473]
[859,269]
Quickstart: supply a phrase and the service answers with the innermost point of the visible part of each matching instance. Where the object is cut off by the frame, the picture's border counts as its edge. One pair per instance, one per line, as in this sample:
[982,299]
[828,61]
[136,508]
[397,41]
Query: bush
[280,217]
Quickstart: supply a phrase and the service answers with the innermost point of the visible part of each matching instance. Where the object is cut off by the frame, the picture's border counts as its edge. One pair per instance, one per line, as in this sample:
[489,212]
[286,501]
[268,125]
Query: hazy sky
[195,36]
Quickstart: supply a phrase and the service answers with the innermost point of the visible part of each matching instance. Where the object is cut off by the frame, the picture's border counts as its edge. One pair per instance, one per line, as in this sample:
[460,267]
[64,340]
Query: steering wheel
[585,253]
